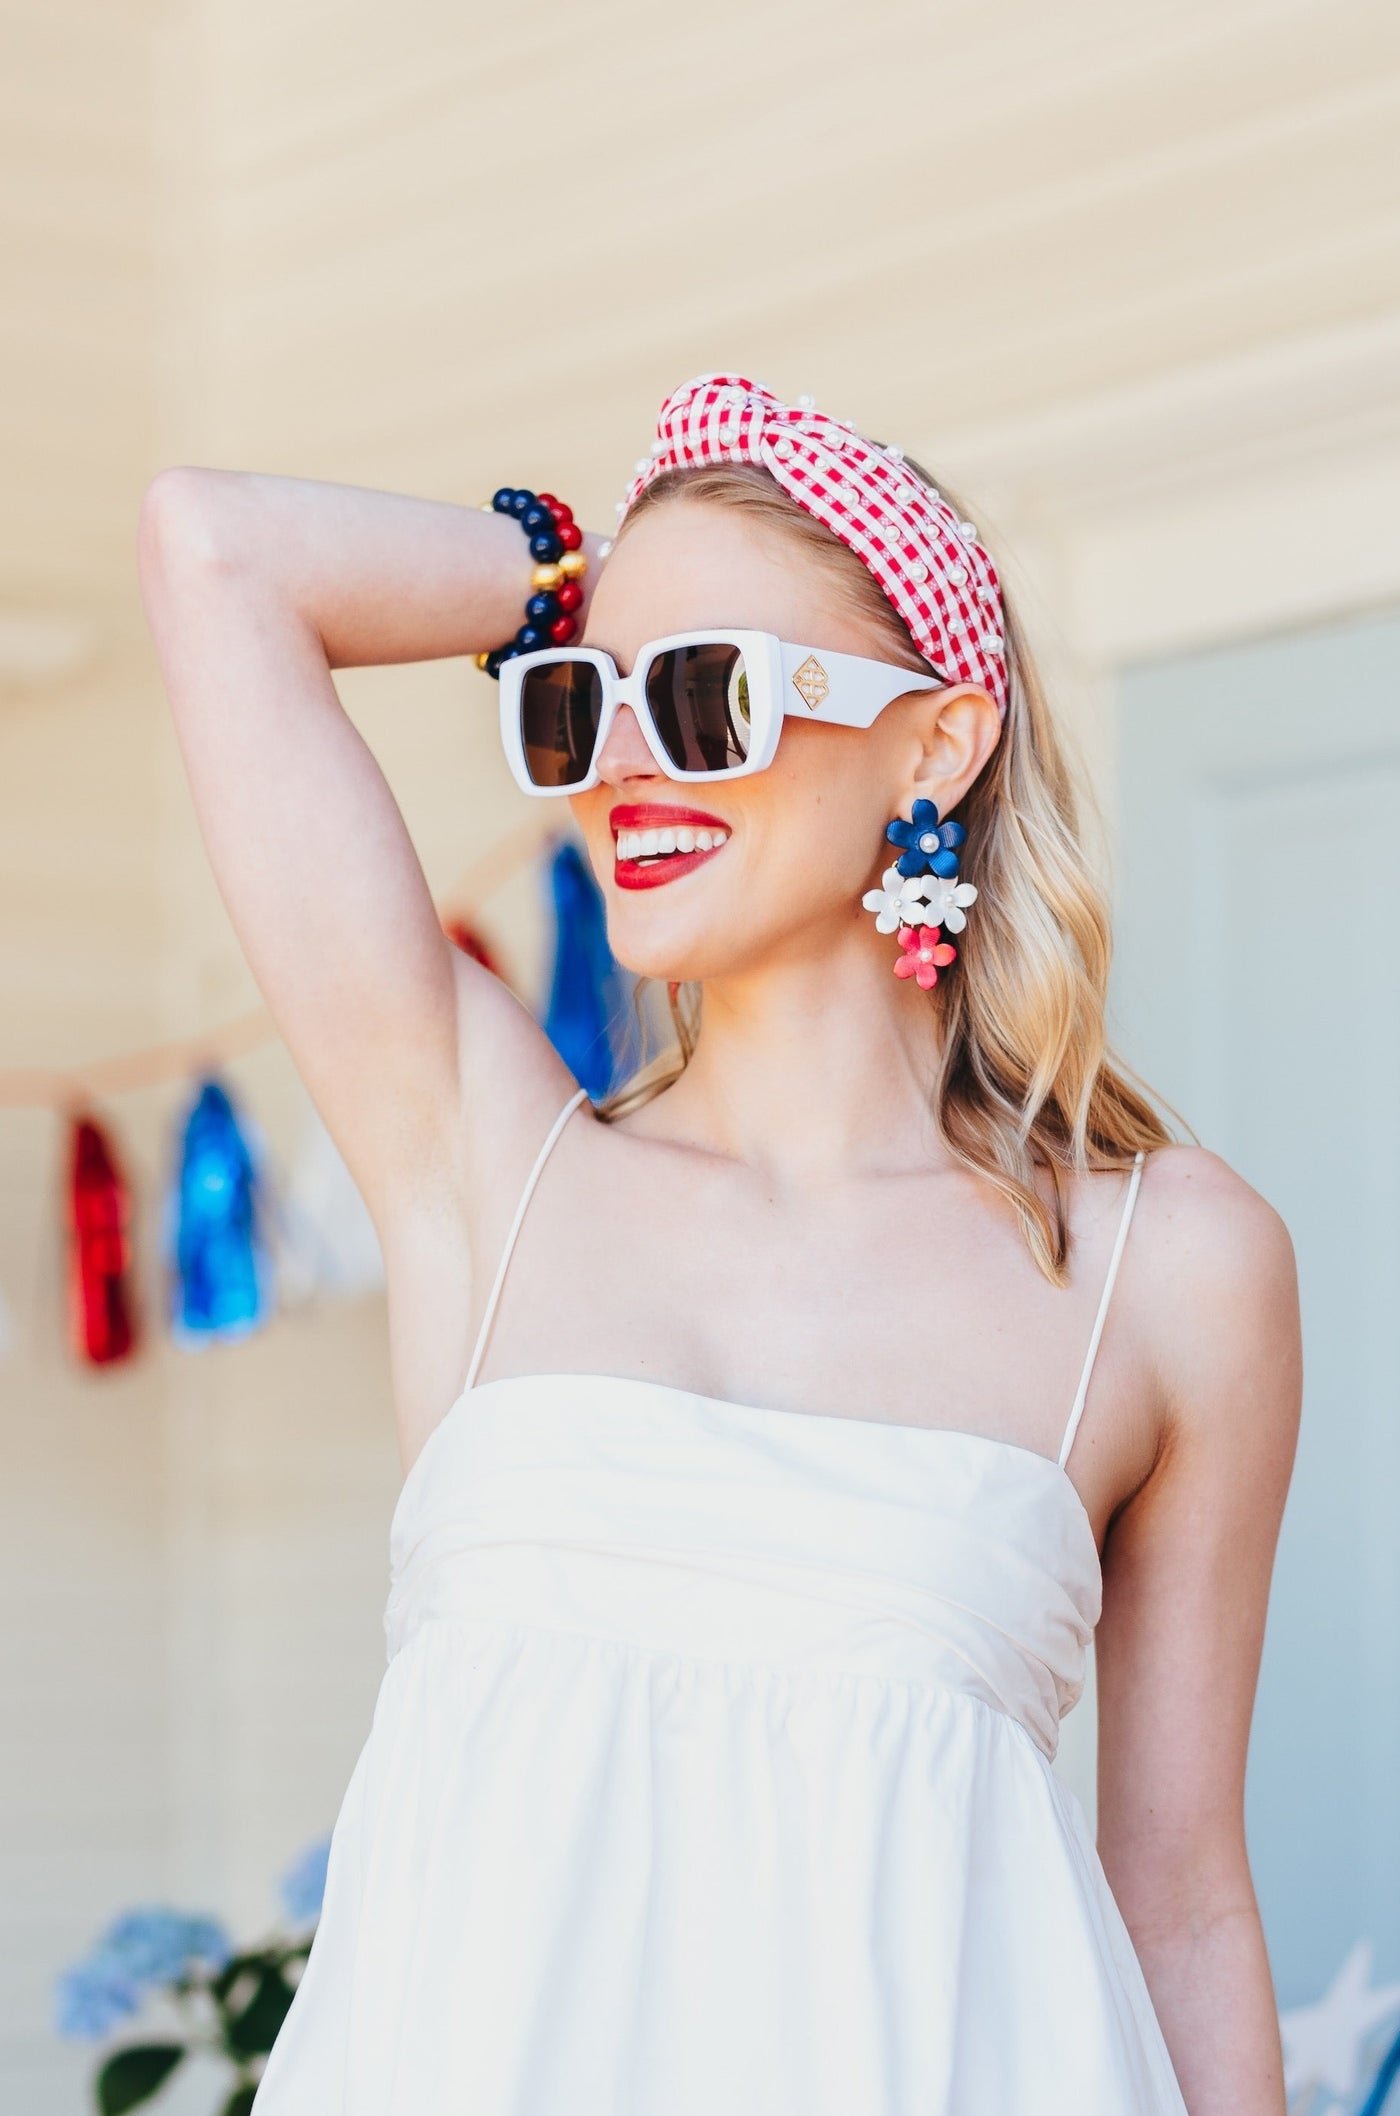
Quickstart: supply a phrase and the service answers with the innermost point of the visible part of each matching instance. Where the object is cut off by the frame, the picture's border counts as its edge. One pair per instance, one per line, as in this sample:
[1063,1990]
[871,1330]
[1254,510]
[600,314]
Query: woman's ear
[956,731]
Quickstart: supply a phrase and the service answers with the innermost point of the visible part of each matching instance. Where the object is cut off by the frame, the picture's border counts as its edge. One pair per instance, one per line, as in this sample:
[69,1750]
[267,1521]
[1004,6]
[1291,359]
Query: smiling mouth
[656,843]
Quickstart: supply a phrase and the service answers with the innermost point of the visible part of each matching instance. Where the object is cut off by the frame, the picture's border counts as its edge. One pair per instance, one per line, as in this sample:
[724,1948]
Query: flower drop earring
[920,893]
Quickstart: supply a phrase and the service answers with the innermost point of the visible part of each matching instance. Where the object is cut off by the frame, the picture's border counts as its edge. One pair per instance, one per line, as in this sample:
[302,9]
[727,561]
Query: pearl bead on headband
[930,565]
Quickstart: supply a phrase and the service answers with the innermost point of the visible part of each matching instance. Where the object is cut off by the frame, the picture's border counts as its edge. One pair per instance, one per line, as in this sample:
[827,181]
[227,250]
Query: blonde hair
[1027,1077]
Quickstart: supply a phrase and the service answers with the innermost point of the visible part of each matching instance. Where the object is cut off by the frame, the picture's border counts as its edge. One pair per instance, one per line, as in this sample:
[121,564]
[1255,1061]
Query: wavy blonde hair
[1027,1077]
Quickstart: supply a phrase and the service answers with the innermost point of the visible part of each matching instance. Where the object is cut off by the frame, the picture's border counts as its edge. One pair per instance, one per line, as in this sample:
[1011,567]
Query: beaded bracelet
[555,540]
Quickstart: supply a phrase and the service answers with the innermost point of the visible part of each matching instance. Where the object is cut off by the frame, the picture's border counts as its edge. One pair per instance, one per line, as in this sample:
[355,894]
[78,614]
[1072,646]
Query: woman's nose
[625,755]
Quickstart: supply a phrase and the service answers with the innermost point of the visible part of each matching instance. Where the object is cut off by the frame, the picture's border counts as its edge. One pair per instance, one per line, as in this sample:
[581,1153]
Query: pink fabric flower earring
[920,893]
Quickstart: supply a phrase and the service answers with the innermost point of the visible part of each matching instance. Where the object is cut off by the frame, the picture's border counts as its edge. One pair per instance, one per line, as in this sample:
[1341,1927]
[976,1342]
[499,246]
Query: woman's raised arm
[256,588]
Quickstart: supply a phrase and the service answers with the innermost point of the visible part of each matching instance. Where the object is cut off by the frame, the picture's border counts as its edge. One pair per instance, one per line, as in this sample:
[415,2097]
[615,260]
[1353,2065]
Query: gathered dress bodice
[694,1525]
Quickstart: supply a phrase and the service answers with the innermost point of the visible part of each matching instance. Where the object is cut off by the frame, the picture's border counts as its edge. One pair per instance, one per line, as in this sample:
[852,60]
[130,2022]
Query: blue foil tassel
[590,1018]
[1384,2080]
[222,1274]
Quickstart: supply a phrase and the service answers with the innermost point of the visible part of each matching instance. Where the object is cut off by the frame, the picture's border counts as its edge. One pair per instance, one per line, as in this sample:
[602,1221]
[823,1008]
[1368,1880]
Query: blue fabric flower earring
[920,893]
[929,846]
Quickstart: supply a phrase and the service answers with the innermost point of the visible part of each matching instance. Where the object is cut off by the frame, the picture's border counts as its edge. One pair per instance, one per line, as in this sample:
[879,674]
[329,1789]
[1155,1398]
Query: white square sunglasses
[710,705]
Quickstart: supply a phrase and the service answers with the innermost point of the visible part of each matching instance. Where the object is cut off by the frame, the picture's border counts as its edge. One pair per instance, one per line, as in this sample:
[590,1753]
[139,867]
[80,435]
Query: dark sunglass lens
[699,699]
[560,706]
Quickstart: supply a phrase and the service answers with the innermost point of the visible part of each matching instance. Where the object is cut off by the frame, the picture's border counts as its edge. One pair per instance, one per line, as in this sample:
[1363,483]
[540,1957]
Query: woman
[757,1521]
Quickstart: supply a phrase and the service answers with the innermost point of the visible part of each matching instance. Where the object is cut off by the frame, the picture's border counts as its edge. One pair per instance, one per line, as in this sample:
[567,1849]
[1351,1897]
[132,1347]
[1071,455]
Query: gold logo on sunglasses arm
[811,682]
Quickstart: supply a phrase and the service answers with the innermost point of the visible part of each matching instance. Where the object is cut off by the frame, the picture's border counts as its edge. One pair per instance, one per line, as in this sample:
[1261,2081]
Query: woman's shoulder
[1205,1212]
[1218,1286]
[1206,1237]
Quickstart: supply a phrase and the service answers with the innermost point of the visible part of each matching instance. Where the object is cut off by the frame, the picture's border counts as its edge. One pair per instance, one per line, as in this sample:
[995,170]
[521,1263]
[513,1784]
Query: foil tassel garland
[222,1274]
[99,1248]
[324,1243]
[465,936]
[588,1020]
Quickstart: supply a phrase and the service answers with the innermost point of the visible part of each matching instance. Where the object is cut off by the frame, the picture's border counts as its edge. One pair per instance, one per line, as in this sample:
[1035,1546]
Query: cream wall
[1127,272]
[82,1691]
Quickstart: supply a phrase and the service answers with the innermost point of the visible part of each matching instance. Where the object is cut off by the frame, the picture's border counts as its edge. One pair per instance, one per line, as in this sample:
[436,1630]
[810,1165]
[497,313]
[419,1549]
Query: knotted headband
[930,565]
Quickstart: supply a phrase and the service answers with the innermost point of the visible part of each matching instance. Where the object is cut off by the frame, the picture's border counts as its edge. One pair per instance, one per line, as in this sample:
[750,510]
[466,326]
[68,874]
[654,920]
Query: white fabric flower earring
[920,893]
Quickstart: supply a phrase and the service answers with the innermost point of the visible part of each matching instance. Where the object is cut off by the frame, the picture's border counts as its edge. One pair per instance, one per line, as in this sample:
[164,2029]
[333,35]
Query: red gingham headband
[931,566]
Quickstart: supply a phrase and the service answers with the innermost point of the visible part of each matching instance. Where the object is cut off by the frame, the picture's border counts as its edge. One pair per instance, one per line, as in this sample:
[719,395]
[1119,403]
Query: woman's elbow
[191,527]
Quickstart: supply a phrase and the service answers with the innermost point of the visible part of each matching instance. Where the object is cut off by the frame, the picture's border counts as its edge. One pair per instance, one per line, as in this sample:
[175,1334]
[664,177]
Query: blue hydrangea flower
[303,1886]
[154,1945]
[928,846]
[93,1997]
[209,1944]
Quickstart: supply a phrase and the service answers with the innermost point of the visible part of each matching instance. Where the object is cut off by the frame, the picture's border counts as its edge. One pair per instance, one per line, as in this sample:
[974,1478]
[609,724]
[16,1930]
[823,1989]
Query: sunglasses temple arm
[857,690]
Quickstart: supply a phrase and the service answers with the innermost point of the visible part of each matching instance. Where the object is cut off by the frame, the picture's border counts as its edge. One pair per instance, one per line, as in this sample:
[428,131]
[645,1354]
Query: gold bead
[546,575]
[573,564]
[481,660]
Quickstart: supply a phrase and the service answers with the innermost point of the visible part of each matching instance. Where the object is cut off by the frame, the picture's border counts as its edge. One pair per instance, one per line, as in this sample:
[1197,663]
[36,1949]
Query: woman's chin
[666,966]
[674,941]
[646,948]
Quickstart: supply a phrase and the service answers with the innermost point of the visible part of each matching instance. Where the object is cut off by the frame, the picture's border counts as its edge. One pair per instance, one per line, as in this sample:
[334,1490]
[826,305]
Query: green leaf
[251,1964]
[252,2032]
[240,2102]
[133,2075]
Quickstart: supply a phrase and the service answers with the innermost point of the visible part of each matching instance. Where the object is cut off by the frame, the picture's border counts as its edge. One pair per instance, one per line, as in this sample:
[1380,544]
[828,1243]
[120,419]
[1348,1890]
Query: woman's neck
[813,1069]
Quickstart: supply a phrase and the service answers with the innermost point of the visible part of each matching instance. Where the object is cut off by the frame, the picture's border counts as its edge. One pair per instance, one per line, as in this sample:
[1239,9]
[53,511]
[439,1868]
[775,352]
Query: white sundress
[710,1775]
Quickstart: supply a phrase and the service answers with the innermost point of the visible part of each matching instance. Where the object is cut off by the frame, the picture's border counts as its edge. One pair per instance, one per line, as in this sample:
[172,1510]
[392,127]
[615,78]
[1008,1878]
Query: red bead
[563,629]
[568,595]
[560,512]
[569,535]
[546,499]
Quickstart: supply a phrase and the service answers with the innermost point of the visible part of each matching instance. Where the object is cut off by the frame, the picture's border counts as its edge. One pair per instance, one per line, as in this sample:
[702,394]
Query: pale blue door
[1257,985]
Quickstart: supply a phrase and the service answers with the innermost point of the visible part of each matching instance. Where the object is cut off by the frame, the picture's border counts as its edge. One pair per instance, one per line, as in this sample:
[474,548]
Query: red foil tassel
[99,1223]
[471,943]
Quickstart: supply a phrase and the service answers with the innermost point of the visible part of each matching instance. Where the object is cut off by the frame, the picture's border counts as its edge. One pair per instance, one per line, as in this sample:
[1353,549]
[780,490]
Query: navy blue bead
[545,546]
[501,500]
[493,662]
[520,499]
[531,636]
[542,607]
[536,517]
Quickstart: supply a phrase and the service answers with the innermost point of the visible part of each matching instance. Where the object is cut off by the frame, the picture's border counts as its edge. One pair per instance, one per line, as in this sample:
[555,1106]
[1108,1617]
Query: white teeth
[651,844]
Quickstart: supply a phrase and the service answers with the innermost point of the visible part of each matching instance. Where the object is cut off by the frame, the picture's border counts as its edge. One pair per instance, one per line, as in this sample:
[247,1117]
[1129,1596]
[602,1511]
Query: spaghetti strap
[530,1181]
[1067,1443]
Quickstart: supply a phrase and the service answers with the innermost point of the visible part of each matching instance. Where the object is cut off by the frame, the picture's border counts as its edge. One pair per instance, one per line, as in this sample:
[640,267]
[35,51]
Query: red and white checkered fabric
[932,566]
